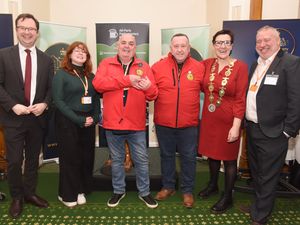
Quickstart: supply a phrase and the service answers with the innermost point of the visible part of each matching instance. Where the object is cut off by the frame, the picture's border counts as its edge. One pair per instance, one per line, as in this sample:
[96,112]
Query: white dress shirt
[258,75]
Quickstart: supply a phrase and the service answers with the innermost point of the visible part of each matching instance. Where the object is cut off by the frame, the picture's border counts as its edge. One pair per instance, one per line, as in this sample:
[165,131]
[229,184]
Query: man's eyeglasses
[220,43]
[30,29]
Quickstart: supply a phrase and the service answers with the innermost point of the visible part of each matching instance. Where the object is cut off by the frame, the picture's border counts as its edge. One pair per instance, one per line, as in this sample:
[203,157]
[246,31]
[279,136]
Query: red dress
[215,125]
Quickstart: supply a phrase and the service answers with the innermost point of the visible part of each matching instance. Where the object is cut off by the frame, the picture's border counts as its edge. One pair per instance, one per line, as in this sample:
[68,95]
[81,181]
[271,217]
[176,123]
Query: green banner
[199,40]
[107,35]
[55,38]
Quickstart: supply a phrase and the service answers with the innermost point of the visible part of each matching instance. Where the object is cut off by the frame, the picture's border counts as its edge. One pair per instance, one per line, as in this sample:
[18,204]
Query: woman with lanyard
[225,84]
[77,111]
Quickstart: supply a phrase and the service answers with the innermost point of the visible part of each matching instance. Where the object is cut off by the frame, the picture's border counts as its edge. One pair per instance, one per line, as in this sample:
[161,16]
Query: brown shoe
[164,194]
[16,208]
[256,223]
[188,200]
[244,209]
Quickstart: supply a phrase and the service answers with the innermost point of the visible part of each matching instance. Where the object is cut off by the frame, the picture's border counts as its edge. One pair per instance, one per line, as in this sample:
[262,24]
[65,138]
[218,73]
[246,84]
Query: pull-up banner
[107,35]
[54,40]
[245,34]
[244,49]
[6,34]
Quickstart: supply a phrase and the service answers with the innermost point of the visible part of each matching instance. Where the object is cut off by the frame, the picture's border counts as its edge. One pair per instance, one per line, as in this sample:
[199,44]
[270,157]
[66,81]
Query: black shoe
[208,191]
[115,199]
[149,201]
[222,205]
[37,201]
[16,208]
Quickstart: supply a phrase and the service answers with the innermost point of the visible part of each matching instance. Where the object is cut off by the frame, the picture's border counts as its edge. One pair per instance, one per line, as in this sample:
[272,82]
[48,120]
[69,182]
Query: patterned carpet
[168,213]
[132,211]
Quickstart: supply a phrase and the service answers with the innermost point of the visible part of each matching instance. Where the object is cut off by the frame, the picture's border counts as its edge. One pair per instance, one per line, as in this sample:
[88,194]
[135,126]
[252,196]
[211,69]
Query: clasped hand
[140,83]
[36,109]
[88,121]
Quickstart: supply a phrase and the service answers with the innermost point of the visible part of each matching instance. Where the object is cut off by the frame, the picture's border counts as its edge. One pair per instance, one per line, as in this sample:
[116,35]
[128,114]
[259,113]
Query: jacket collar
[117,61]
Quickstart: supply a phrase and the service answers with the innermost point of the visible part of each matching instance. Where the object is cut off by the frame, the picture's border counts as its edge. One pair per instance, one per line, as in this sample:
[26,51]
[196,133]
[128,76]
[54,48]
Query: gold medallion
[190,76]
[227,72]
[139,72]
[211,87]
[224,82]
[211,108]
[221,92]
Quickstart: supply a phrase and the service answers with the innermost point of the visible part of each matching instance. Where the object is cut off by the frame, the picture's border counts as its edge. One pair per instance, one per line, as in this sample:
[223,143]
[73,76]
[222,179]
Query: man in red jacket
[176,116]
[126,83]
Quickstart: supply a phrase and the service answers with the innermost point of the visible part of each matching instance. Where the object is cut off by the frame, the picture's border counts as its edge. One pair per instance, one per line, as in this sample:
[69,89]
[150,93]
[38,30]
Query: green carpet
[133,211]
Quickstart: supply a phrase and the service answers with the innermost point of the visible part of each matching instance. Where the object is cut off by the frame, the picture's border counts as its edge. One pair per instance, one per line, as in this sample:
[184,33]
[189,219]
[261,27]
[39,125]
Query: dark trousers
[76,158]
[23,142]
[184,141]
[266,158]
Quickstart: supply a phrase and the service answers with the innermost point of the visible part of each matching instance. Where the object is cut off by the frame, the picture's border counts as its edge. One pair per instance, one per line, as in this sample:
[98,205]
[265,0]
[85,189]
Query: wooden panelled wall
[256,9]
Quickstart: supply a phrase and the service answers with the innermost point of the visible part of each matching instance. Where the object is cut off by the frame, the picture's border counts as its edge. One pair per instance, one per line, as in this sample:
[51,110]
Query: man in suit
[25,89]
[273,115]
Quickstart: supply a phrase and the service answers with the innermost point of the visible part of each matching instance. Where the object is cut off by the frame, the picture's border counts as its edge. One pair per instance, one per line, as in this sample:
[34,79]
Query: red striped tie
[27,84]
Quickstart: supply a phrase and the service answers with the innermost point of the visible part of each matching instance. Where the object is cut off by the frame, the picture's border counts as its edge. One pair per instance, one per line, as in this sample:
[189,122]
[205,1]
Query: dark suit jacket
[12,85]
[278,106]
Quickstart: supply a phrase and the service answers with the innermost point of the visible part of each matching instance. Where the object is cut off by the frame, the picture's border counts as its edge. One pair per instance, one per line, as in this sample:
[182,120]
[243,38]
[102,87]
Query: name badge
[271,79]
[86,100]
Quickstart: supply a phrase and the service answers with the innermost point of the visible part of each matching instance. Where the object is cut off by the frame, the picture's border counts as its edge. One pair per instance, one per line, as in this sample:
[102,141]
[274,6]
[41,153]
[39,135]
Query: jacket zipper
[178,92]
[174,82]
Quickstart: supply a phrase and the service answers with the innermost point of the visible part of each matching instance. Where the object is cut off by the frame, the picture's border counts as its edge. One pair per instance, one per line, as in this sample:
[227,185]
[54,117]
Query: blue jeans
[184,140]
[139,155]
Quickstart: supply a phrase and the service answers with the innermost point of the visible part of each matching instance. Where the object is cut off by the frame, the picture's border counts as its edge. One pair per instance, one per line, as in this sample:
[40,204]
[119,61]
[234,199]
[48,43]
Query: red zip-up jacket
[110,81]
[178,102]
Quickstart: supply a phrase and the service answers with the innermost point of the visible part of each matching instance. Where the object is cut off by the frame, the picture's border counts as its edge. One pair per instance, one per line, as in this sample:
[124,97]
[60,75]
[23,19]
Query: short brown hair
[24,16]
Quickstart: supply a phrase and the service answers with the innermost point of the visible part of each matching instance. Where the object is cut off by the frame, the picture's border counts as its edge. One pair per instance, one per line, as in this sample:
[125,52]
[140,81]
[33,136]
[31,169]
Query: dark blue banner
[6,34]
[245,33]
